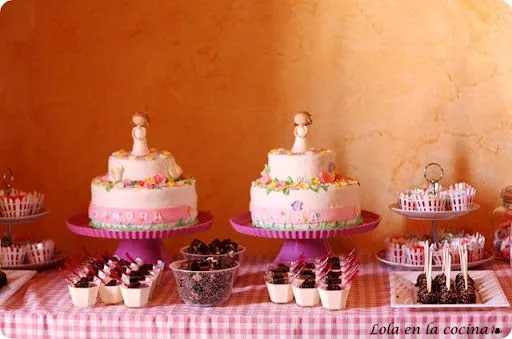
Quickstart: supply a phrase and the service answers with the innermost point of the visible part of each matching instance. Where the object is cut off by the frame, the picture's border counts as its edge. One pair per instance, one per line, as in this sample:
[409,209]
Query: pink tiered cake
[143,190]
[300,190]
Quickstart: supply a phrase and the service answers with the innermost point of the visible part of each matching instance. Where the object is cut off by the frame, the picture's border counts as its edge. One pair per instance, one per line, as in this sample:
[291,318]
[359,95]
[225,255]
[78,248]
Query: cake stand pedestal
[311,244]
[146,245]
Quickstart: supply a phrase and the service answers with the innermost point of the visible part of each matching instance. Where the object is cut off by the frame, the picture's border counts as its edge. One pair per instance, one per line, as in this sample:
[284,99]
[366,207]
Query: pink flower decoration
[326,177]
[265,179]
[281,183]
[148,185]
[159,179]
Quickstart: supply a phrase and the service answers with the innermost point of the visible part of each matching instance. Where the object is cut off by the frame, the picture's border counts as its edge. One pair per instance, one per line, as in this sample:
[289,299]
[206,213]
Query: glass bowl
[203,288]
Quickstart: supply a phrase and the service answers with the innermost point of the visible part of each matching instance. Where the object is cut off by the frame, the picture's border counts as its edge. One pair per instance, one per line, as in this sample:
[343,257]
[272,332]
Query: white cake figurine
[299,189]
[140,144]
[302,121]
[144,189]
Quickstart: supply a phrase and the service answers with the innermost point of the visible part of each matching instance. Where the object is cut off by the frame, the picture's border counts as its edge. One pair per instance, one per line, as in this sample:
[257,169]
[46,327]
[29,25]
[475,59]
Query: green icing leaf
[286,191]
[324,187]
[269,190]
[289,180]
[267,168]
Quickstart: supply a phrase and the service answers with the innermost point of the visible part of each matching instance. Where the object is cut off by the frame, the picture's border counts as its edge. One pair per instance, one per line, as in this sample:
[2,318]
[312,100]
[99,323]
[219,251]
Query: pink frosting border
[311,216]
[139,216]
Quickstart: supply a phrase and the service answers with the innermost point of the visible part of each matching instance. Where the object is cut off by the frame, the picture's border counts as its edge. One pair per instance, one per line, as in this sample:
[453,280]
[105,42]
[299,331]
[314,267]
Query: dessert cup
[83,297]
[110,295]
[306,297]
[203,288]
[280,293]
[334,299]
[135,297]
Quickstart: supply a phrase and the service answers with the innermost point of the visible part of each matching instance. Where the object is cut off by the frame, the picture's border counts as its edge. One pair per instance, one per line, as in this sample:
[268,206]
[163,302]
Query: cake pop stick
[448,271]
[428,257]
[425,254]
[465,263]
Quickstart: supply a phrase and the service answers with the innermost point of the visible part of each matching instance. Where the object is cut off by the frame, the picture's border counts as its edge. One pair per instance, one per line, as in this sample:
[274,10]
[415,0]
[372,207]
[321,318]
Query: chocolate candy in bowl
[205,282]
[216,249]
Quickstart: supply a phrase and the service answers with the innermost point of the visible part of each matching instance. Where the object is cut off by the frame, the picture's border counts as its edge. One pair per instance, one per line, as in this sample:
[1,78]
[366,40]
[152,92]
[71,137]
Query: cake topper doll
[302,121]
[140,145]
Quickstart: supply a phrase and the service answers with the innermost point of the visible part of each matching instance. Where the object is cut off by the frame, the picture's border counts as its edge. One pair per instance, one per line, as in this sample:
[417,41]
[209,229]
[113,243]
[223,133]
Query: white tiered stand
[434,217]
[58,255]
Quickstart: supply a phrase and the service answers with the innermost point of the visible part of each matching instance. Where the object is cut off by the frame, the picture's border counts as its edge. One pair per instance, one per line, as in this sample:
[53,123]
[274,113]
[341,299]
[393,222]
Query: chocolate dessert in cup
[83,291]
[135,294]
[153,271]
[334,288]
[110,293]
[277,279]
[304,285]
[205,282]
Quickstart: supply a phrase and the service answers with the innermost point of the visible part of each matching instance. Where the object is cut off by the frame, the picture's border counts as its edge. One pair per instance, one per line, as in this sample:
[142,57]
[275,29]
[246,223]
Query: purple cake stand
[143,244]
[310,243]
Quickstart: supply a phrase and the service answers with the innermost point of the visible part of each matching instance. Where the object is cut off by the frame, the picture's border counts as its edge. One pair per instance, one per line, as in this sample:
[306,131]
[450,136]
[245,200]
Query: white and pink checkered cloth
[43,309]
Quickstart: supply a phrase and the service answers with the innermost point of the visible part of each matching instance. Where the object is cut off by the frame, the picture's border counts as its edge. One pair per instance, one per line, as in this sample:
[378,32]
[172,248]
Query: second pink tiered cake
[299,189]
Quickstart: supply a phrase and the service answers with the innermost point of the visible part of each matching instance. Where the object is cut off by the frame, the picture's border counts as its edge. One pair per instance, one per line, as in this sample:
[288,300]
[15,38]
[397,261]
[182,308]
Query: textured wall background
[392,85]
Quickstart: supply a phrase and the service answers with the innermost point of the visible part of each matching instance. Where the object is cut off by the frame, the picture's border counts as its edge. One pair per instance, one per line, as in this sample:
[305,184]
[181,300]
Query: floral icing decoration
[156,182]
[326,177]
[153,155]
[315,184]
[283,151]
[297,205]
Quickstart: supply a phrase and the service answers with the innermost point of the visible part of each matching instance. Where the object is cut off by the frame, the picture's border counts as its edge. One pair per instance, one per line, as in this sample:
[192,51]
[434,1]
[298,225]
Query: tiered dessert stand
[434,217]
[146,245]
[311,244]
[58,256]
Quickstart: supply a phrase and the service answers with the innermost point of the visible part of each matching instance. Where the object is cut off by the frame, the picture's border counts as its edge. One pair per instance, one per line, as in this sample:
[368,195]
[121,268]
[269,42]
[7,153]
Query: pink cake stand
[146,245]
[310,243]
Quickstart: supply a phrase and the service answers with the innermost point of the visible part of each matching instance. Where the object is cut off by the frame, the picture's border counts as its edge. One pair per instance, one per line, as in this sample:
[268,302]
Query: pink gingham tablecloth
[43,309]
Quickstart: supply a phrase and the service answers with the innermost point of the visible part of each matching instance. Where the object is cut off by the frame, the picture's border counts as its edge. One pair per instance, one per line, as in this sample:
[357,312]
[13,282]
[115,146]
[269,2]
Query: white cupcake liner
[430,202]
[396,253]
[467,188]
[406,201]
[41,252]
[415,257]
[459,200]
[31,203]
[12,256]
